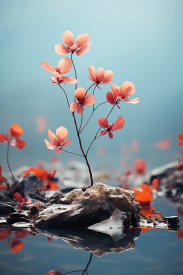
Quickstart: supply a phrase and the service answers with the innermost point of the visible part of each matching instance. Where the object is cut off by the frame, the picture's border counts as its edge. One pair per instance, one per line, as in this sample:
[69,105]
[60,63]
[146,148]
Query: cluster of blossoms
[81,97]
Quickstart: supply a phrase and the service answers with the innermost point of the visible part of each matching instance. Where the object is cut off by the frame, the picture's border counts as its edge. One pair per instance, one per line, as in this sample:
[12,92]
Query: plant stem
[93,94]
[84,155]
[74,71]
[81,121]
[85,270]
[9,164]
[89,89]
[99,130]
[72,153]
[91,116]
[65,95]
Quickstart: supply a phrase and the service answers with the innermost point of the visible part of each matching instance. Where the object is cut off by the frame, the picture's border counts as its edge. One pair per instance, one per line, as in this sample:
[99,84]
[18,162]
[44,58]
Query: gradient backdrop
[140,41]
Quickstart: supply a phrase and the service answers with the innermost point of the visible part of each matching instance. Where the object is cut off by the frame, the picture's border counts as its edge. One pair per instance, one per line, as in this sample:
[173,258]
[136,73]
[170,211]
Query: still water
[155,252]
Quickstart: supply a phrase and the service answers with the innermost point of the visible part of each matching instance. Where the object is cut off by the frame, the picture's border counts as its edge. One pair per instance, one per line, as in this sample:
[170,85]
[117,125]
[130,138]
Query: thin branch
[65,95]
[91,116]
[81,121]
[72,152]
[93,94]
[89,89]
[99,130]
[9,164]
[74,71]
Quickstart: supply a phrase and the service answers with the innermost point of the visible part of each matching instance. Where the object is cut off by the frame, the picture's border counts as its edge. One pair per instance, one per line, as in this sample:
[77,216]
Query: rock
[28,185]
[6,208]
[20,216]
[87,208]
[4,196]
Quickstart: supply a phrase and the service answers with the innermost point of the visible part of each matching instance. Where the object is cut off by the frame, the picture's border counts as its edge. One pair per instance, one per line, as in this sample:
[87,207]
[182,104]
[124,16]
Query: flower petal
[80,110]
[62,133]
[16,131]
[69,80]
[110,135]
[115,94]
[180,136]
[18,143]
[59,150]
[50,145]
[108,75]
[118,124]
[53,79]
[74,106]
[109,97]
[79,93]
[68,38]
[89,100]
[83,49]
[127,89]
[3,138]
[103,133]
[61,49]
[132,101]
[67,142]
[100,75]
[48,67]
[18,197]
[16,246]
[103,122]
[82,39]
[180,144]
[51,135]
[115,87]
[65,65]
[92,71]
[56,74]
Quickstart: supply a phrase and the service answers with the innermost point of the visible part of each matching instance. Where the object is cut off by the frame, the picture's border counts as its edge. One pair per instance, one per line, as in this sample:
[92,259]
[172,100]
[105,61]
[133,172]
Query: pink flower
[114,97]
[64,66]
[180,137]
[80,46]
[58,141]
[54,272]
[15,132]
[117,125]
[127,89]
[83,100]
[19,198]
[100,76]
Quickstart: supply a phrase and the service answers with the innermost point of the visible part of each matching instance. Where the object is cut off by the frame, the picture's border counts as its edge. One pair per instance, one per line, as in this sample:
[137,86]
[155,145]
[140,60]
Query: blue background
[140,41]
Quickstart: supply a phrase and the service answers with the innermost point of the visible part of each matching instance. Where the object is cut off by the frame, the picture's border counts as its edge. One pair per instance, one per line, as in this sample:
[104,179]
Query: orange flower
[127,89]
[64,66]
[181,139]
[15,132]
[58,140]
[114,97]
[117,125]
[80,46]
[83,100]
[101,76]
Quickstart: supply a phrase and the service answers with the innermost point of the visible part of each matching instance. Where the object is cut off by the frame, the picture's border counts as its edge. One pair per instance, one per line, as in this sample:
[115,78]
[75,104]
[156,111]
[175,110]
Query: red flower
[127,89]
[80,46]
[19,198]
[15,132]
[140,166]
[64,66]
[114,97]
[58,141]
[181,139]
[101,76]
[83,100]
[117,125]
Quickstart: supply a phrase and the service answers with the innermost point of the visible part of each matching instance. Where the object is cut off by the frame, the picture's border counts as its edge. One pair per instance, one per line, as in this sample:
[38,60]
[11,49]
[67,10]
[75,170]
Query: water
[156,252]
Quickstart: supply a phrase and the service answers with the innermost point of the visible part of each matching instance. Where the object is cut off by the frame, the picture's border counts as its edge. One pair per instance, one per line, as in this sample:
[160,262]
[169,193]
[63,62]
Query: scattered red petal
[155,184]
[4,234]
[20,234]
[180,233]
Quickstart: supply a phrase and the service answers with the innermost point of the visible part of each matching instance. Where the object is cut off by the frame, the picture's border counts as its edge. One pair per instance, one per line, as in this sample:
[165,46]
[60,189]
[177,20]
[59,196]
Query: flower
[80,46]
[19,198]
[58,141]
[117,125]
[83,100]
[100,76]
[127,89]
[64,66]
[181,139]
[15,132]
[54,272]
[114,97]
[140,166]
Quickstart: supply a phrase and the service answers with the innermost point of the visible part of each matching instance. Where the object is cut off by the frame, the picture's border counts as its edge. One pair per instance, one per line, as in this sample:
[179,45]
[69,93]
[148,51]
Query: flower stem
[72,153]
[74,71]
[91,116]
[65,95]
[89,88]
[84,155]
[9,164]
[99,130]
